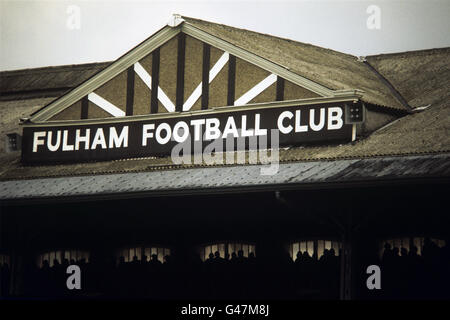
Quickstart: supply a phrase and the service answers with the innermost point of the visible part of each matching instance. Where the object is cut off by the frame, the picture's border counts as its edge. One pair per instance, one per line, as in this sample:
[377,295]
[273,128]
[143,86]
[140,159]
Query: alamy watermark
[74,280]
[73,21]
[374,19]
[239,148]
[374,280]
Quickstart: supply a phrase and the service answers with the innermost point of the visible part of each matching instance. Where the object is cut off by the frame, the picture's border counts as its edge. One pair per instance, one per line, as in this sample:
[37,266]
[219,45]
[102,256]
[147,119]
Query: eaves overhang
[375,171]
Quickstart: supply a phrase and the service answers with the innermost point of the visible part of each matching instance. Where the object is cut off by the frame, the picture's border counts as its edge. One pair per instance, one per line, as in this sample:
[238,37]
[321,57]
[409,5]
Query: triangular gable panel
[110,99]
[193,72]
[142,93]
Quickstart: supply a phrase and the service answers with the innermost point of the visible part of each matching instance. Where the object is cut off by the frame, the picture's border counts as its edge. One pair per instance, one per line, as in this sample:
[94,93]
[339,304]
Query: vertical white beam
[196,94]
[147,79]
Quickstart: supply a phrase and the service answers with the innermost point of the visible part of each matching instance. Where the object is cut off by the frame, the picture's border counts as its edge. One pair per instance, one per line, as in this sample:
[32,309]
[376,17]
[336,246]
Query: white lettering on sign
[312,124]
[258,130]
[183,127]
[37,141]
[166,127]
[146,134]
[53,147]
[197,124]
[212,129]
[335,118]
[66,146]
[281,127]
[99,138]
[246,132]
[117,141]
[54,142]
[303,123]
[298,126]
[335,121]
[230,128]
[79,138]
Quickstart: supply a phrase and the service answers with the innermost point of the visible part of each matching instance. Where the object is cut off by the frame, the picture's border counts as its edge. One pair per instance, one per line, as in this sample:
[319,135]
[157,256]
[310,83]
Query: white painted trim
[155,41]
[166,102]
[210,111]
[105,105]
[143,74]
[218,66]
[256,90]
[147,79]
[127,60]
[196,94]
[354,132]
[256,60]
[175,20]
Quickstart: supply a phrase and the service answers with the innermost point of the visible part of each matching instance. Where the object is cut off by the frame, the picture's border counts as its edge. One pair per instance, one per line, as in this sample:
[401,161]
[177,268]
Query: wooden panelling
[115,90]
[142,92]
[218,87]
[267,95]
[97,112]
[231,84]
[130,91]
[71,113]
[248,76]
[184,55]
[292,91]
[280,89]
[155,81]
[193,68]
[205,76]
[141,97]
[168,70]
[181,55]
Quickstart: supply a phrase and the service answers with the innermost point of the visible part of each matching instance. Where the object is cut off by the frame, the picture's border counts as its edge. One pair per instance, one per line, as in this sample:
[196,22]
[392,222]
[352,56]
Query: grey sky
[35,33]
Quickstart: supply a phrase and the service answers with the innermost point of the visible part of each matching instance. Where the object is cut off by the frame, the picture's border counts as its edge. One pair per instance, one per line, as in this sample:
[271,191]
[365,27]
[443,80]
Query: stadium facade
[336,163]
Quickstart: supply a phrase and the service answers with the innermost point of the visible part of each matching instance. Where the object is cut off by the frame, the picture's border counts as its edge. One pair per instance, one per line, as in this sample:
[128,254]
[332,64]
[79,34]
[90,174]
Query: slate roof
[317,174]
[46,81]
[332,69]
[422,77]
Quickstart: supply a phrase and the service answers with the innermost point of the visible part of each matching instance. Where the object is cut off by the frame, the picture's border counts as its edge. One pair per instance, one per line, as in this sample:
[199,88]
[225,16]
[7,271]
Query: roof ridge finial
[175,20]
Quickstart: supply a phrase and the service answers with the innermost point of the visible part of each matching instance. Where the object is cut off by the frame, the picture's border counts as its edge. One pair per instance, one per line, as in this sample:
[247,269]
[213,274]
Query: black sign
[194,132]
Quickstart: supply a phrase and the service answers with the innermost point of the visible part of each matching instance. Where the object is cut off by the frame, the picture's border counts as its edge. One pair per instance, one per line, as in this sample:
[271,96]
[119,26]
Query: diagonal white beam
[105,105]
[147,79]
[256,90]
[196,94]
[143,74]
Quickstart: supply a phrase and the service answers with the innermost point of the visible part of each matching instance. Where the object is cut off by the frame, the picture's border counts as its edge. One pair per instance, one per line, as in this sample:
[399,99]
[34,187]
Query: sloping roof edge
[92,83]
[298,175]
[259,61]
[157,39]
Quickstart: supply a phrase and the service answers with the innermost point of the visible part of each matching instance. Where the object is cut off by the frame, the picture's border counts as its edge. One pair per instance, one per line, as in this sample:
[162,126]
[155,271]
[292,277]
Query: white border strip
[105,105]
[90,85]
[218,66]
[143,74]
[166,102]
[196,94]
[256,90]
